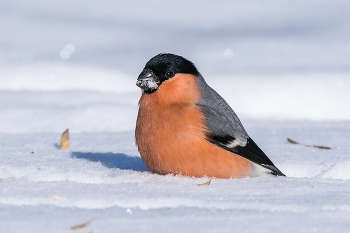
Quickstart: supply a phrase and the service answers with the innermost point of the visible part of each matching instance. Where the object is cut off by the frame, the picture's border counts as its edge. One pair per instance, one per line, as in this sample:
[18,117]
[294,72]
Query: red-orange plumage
[170,134]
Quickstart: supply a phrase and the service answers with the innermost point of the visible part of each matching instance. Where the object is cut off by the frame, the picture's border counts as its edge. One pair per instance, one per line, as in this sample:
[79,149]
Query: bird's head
[162,67]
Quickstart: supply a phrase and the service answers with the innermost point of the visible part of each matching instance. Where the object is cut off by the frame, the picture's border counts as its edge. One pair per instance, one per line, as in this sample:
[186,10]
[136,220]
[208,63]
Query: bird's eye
[169,74]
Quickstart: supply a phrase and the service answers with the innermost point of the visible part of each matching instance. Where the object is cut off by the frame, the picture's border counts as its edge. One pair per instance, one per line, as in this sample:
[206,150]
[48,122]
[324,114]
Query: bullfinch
[185,127]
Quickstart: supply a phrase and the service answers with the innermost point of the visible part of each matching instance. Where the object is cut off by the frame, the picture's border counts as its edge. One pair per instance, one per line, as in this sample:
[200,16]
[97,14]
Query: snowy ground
[104,180]
[283,66]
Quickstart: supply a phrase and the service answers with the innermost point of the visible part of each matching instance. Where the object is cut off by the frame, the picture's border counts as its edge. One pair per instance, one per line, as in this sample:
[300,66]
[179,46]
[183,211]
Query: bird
[184,127]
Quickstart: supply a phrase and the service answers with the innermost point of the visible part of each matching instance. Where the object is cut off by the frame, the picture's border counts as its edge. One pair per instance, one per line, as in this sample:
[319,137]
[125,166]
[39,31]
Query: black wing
[226,130]
[250,151]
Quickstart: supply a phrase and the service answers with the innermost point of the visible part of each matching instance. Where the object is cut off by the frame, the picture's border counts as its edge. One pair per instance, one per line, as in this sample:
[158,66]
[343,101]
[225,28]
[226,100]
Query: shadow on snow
[112,160]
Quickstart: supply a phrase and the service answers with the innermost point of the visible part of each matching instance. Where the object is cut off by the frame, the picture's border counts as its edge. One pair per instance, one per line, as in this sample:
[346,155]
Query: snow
[67,51]
[283,66]
[105,181]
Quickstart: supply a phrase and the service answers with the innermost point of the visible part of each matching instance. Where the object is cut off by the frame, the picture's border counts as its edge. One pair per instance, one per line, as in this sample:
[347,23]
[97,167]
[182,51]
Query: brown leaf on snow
[292,141]
[323,147]
[206,183]
[80,226]
[298,143]
[64,144]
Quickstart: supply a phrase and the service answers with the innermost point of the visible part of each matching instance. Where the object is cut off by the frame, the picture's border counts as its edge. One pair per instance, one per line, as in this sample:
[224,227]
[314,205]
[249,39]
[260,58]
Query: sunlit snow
[283,66]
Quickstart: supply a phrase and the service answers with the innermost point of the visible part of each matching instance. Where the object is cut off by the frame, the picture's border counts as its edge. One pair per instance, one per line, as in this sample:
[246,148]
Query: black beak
[148,81]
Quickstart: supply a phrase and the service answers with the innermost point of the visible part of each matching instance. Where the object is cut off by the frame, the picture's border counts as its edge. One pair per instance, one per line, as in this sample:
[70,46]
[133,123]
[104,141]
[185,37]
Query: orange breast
[170,134]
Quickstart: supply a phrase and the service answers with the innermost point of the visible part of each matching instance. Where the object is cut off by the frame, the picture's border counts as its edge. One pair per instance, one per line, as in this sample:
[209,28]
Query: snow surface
[104,180]
[282,65]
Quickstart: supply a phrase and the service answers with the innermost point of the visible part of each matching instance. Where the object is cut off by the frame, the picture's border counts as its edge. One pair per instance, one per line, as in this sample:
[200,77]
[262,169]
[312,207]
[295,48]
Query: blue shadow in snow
[111,160]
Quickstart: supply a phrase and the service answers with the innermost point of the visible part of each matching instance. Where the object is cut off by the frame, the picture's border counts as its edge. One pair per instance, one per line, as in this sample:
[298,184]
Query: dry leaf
[206,183]
[58,197]
[323,147]
[292,141]
[80,226]
[64,144]
[319,147]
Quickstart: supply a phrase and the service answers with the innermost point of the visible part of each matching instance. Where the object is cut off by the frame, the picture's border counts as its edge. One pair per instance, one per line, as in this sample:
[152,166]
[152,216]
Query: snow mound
[339,170]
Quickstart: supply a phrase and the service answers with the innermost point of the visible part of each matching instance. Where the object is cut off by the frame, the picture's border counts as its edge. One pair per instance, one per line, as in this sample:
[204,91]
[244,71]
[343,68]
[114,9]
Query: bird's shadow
[113,160]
